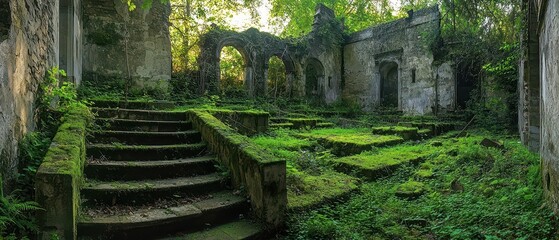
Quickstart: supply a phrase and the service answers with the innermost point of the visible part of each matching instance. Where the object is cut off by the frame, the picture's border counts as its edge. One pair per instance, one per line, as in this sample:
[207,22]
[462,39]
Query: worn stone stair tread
[145,133]
[235,230]
[143,147]
[158,184]
[146,216]
[156,163]
[141,121]
[135,110]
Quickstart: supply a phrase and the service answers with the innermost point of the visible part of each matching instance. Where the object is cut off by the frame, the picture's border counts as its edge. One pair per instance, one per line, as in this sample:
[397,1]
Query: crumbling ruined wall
[26,54]
[423,87]
[119,43]
[548,12]
[321,48]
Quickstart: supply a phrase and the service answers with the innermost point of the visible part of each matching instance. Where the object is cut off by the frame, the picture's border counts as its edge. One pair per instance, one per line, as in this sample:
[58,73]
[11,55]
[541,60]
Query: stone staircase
[150,176]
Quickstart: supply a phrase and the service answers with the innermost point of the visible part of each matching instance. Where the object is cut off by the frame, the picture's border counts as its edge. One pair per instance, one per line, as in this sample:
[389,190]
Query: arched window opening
[277,80]
[5,19]
[232,73]
[389,85]
[314,76]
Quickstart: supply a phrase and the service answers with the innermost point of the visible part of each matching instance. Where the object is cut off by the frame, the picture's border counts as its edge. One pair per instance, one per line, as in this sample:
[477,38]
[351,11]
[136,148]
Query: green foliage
[277,82]
[16,217]
[32,149]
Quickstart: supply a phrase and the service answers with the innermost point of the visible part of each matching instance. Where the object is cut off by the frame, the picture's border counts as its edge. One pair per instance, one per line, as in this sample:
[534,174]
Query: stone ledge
[261,174]
[60,177]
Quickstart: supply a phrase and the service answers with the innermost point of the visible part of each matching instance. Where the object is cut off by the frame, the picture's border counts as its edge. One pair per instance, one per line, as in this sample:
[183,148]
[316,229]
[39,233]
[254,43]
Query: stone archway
[314,78]
[240,46]
[389,86]
[289,71]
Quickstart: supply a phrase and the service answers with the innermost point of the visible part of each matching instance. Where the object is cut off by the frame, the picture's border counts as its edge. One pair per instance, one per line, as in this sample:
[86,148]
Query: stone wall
[119,43]
[405,47]
[25,56]
[529,81]
[548,12]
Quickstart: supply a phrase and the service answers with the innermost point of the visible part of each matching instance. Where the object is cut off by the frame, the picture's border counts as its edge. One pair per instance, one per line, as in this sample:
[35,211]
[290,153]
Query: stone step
[143,125]
[145,191]
[145,138]
[239,229]
[133,104]
[139,114]
[116,152]
[138,170]
[151,223]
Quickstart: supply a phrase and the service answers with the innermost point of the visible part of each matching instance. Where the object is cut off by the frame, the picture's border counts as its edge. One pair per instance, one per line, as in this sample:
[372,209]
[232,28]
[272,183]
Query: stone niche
[119,43]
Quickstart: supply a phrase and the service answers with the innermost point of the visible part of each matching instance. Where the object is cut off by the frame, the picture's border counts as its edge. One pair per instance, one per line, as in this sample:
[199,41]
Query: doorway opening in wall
[467,75]
[5,19]
[277,78]
[232,72]
[314,75]
[389,85]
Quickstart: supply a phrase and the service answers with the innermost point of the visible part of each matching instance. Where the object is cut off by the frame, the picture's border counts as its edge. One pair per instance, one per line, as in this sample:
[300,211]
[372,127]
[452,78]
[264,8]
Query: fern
[15,214]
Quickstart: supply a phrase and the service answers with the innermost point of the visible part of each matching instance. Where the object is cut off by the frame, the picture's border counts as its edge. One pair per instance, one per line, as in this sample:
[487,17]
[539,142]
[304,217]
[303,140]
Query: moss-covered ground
[443,187]
[462,190]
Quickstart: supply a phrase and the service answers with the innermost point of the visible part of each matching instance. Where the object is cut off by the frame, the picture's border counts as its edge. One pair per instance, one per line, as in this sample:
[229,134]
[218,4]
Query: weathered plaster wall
[407,43]
[549,70]
[118,42]
[24,58]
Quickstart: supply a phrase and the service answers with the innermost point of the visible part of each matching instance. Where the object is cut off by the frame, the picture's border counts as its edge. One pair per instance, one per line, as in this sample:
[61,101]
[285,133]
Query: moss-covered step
[139,114]
[119,152]
[410,190]
[142,191]
[345,142]
[306,191]
[282,125]
[132,104]
[143,125]
[154,222]
[145,138]
[407,133]
[138,170]
[373,165]
[240,229]
[437,128]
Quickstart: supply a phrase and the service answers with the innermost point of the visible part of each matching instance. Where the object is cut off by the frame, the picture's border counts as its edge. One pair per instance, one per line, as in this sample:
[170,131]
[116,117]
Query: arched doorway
[314,76]
[389,85]
[232,75]
[277,78]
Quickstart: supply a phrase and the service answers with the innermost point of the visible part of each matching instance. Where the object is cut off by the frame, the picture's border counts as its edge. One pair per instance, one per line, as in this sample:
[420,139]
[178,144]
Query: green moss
[308,191]
[410,189]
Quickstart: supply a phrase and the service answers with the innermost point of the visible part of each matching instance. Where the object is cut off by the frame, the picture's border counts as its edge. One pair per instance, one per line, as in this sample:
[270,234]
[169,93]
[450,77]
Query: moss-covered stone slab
[143,125]
[373,165]
[437,128]
[139,114]
[410,190]
[132,104]
[137,170]
[310,191]
[145,138]
[282,125]
[407,133]
[119,152]
[345,142]
[145,190]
